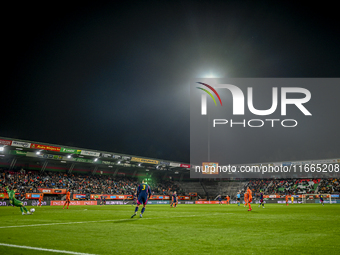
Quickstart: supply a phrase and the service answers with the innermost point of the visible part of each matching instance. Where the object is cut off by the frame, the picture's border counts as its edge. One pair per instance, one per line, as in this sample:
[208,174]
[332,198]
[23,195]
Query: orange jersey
[286,198]
[68,194]
[40,198]
[228,198]
[250,194]
[246,196]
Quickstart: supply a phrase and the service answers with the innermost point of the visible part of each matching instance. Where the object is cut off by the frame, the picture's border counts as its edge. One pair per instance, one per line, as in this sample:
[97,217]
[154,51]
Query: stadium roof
[98,161]
[16,153]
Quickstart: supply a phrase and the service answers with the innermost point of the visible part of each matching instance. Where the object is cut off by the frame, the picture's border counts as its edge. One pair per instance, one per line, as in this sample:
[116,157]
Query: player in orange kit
[228,199]
[68,194]
[40,199]
[250,198]
[287,200]
[245,199]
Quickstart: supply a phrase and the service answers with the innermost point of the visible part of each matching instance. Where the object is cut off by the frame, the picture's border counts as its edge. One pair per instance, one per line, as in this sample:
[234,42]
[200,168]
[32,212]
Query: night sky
[115,76]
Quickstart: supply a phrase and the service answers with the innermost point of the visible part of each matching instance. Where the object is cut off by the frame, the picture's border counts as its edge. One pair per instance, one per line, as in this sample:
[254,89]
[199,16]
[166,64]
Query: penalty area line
[98,221]
[43,249]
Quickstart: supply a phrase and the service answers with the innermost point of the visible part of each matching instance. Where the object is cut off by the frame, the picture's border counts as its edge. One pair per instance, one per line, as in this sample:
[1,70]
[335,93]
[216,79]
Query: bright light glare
[210,75]
[1,148]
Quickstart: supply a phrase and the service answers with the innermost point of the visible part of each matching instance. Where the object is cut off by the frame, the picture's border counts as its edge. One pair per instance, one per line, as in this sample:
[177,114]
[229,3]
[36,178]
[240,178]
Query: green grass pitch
[187,229]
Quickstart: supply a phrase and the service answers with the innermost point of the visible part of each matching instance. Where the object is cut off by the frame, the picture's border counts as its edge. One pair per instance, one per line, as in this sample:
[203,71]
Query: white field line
[98,221]
[43,249]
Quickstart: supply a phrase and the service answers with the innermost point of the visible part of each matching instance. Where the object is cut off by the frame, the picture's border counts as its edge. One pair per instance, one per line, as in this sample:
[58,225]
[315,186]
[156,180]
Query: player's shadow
[126,221]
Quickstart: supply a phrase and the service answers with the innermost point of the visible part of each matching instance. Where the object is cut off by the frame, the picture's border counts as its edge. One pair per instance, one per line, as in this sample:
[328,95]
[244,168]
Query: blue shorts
[142,200]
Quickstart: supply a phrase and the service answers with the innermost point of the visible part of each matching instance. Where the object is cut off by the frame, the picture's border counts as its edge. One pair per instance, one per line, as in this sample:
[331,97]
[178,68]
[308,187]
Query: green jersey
[11,194]
[15,202]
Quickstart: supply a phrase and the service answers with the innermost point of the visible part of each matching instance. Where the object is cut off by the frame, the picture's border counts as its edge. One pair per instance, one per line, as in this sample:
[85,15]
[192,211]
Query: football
[32,210]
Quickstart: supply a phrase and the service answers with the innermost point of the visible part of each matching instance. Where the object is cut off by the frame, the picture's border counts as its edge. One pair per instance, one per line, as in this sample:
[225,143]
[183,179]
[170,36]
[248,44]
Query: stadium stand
[285,186]
[329,186]
[32,165]
[195,186]
[231,188]
[30,181]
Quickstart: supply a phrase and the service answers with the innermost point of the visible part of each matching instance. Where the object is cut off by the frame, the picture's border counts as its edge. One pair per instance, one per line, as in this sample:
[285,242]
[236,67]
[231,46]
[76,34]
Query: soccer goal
[315,198]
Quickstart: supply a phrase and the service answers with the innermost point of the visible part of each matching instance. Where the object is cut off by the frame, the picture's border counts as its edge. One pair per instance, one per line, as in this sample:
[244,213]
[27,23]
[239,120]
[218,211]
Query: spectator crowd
[329,186]
[31,181]
[294,186]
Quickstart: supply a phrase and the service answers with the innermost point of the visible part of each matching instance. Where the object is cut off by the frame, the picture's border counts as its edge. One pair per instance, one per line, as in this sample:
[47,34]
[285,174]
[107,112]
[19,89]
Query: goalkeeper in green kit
[16,202]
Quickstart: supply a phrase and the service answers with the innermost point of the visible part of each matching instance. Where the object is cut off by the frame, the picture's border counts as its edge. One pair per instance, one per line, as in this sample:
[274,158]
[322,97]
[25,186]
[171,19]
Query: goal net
[315,198]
